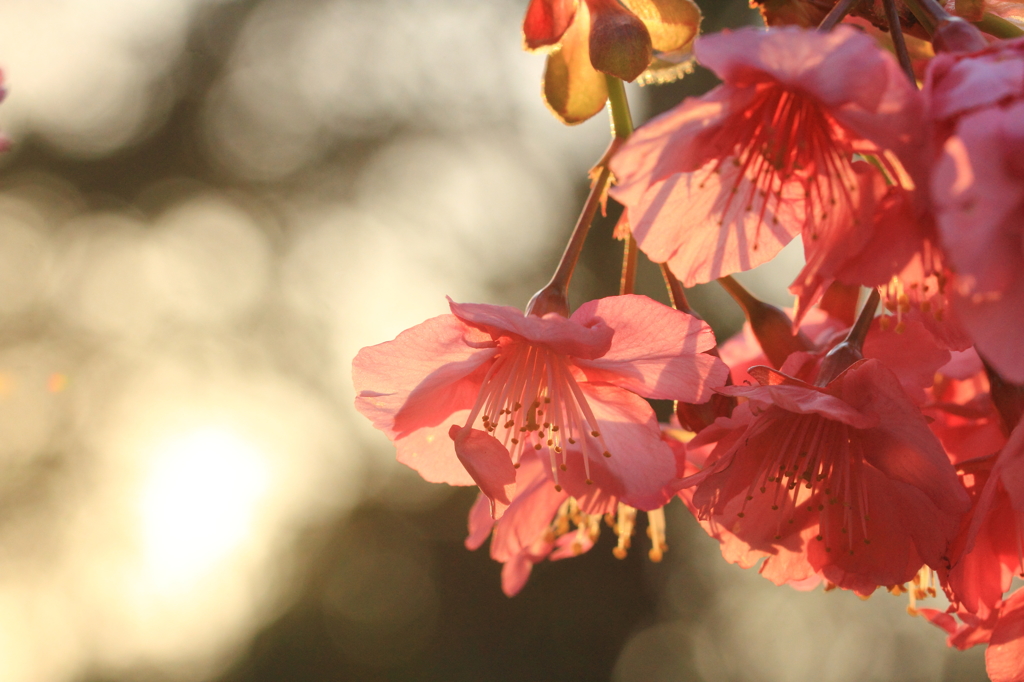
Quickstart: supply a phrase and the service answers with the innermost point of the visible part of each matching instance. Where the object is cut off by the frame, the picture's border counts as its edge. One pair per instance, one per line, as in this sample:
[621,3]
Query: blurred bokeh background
[209,207]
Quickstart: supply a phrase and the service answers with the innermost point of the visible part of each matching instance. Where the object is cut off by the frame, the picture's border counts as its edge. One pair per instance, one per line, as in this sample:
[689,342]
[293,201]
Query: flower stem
[896,31]
[995,25]
[675,290]
[553,298]
[622,127]
[622,120]
[928,14]
[836,14]
[628,281]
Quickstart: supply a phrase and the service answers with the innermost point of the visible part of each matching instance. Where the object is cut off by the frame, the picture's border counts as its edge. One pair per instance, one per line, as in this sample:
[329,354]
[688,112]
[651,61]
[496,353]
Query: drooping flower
[783,563]
[843,481]
[590,38]
[721,183]
[500,384]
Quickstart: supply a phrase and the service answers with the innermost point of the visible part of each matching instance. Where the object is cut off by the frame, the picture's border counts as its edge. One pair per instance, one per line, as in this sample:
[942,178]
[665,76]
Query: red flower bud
[620,44]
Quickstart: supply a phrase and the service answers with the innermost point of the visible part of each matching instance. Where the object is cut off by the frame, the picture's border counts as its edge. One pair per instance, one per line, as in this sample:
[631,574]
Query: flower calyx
[850,349]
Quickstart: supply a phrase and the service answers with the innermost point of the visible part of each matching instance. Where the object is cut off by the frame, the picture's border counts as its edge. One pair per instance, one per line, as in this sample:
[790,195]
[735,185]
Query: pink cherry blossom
[844,481]
[500,384]
[721,183]
[784,563]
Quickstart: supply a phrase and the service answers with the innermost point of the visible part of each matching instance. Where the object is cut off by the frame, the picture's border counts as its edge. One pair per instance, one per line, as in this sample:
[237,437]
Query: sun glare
[199,502]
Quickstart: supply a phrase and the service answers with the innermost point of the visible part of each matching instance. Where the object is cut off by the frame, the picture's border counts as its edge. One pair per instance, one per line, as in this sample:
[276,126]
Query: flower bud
[772,327]
[620,44]
[695,417]
[956,35]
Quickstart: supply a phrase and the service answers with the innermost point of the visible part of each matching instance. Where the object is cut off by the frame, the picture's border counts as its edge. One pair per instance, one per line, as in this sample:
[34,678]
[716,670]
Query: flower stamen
[556,413]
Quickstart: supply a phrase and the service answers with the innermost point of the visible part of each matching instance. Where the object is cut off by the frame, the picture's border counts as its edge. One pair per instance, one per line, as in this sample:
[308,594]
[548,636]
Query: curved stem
[628,281]
[622,120]
[836,14]
[622,127]
[896,31]
[675,290]
[928,13]
[553,297]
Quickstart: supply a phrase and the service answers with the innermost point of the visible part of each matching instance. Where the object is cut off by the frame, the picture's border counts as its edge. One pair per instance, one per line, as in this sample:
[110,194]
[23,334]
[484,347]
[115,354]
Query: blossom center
[530,399]
[924,290]
[817,466]
[789,148]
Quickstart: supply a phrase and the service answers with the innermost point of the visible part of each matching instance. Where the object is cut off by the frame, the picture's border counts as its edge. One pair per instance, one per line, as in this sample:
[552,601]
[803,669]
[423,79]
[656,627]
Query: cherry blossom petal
[429,452]
[892,556]
[903,447]
[656,352]
[479,522]
[872,96]
[488,463]
[665,145]
[982,574]
[788,566]
[704,230]
[642,467]
[1004,659]
[528,517]
[558,333]
[803,400]
[956,85]
[978,202]
[995,327]
[912,355]
[516,572]
[422,370]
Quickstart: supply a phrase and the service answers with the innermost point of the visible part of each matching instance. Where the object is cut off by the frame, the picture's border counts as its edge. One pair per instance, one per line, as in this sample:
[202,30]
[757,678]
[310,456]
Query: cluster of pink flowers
[833,448]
